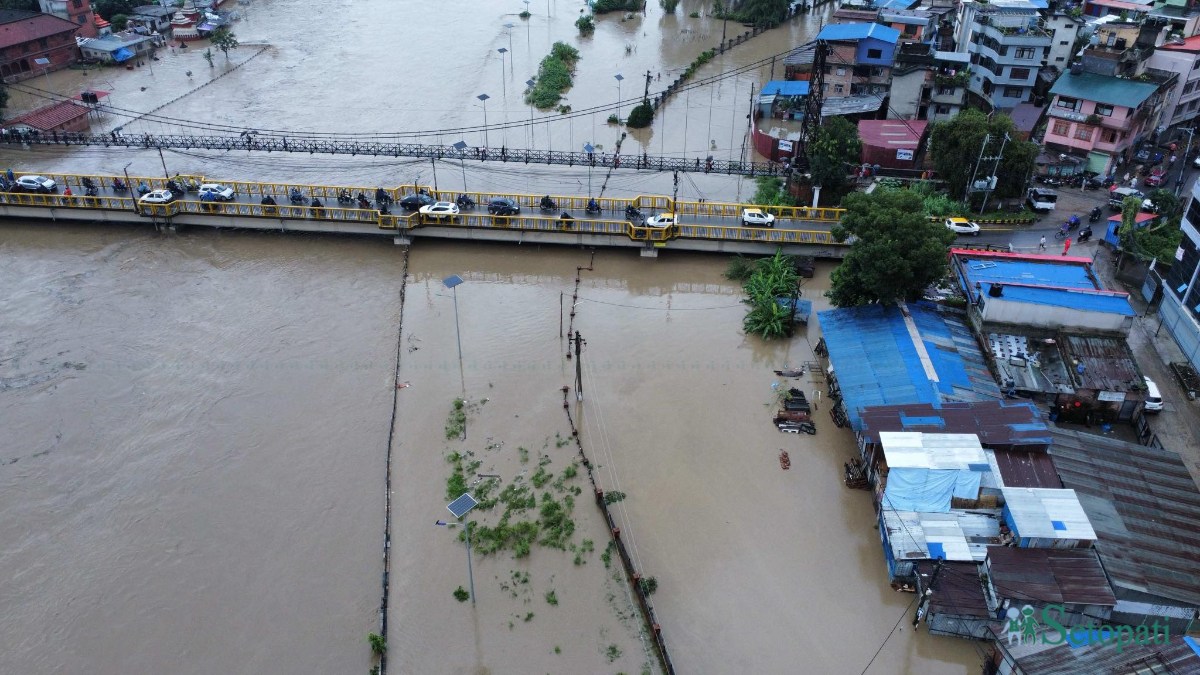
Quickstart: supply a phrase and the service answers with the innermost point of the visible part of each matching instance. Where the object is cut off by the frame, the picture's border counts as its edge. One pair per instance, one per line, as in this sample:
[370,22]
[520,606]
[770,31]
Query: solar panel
[452,281]
[459,507]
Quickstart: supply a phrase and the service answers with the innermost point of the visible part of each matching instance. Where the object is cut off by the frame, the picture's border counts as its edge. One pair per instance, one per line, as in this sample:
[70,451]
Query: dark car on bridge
[415,201]
[503,206]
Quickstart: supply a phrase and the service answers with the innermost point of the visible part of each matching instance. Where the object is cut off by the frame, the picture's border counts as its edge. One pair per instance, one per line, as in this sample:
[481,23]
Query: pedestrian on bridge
[1042,243]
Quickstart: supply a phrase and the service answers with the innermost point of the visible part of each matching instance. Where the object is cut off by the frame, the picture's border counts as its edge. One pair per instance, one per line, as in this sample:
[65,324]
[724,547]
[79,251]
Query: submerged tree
[897,251]
[835,148]
[955,146]
[224,39]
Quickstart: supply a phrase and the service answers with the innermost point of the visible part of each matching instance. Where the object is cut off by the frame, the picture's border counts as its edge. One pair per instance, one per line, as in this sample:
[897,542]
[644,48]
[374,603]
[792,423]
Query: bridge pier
[402,241]
[649,252]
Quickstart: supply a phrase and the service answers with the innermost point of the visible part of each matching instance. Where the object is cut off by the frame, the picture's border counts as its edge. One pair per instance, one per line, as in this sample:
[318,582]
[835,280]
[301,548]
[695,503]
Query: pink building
[1099,118]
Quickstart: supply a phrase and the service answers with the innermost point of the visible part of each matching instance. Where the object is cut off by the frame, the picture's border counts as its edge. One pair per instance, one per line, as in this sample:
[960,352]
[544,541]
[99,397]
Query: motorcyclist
[1065,229]
[296,196]
[119,185]
[344,196]
[1095,215]
[381,196]
[143,188]
[547,202]
[268,200]
[1086,233]
[1073,221]
[593,206]
[316,203]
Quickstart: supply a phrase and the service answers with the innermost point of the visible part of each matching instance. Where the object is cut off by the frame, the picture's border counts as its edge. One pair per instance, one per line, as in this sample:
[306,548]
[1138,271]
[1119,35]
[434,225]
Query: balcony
[1066,114]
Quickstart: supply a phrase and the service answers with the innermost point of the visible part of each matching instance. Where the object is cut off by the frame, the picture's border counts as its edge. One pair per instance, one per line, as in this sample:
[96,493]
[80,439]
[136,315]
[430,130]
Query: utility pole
[970,184]
[675,194]
[1183,161]
[433,161]
[166,174]
[578,367]
[646,94]
[992,178]
[922,606]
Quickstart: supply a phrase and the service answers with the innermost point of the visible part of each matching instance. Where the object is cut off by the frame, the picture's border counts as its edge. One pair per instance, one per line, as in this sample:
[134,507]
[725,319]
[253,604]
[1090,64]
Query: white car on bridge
[220,193]
[440,210]
[157,197]
[662,220]
[757,218]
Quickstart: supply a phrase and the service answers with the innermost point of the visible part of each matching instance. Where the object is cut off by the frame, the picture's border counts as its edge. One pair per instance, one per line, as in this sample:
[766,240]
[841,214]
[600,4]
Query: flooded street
[193,477]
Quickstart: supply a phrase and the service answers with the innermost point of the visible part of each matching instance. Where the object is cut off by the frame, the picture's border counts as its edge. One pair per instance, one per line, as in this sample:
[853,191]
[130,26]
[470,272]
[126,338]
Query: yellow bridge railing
[531,218]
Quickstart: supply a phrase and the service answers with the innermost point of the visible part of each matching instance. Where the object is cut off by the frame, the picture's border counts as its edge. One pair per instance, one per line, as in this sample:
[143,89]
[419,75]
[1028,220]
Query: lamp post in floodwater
[483,98]
[452,282]
[462,160]
[461,507]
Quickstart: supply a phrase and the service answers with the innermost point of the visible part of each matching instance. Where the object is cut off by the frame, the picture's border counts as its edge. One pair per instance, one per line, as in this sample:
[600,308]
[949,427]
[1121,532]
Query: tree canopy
[1154,241]
[955,145]
[897,251]
[835,148]
[223,39]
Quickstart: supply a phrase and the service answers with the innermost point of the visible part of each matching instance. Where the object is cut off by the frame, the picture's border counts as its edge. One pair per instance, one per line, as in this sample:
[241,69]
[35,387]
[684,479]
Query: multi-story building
[1180,306]
[26,37]
[1065,30]
[1008,42]
[1183,57]
[927,84]
[859,60]
[78,12]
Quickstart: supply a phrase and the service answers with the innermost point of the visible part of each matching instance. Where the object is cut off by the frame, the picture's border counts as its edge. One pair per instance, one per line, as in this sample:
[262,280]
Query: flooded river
[192,481]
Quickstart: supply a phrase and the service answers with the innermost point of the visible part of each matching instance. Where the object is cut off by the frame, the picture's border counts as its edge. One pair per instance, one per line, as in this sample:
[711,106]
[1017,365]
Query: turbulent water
[191,478]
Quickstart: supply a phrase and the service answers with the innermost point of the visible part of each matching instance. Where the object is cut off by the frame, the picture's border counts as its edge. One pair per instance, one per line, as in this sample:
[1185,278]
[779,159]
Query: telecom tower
[812,107]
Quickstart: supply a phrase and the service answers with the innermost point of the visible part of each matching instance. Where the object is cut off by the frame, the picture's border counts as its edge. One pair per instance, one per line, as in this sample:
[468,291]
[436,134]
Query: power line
[889,636]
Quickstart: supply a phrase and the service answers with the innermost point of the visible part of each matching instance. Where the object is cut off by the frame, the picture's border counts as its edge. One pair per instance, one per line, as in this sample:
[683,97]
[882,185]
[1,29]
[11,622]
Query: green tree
[835,148]
[770,192]
[1165,202]
[763,13]
[955,146]
[641,115]
[586,25]
[223,39]
[119,22]
[897,250]
[1153,241]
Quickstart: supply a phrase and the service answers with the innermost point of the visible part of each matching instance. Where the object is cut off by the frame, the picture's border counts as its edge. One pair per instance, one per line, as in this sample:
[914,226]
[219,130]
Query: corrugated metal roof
[785,88]
[1018,468]
[1145,508]
[1109,302]
[1108,363]
[959,590]
[1103,89]
[858,31]
[51,116]
[878,362]
[1045,513]
[1049,576]
[913,449]
[1176,657]
[1028,270]
[957,535]
[18,27]
[997,423]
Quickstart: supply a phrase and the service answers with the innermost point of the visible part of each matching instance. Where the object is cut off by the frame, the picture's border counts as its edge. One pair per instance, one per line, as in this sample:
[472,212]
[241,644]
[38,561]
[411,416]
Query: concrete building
[1065,30]
[152,18]
[927,84]
[1098,118]
[1008,42]
[78,12]
[895,144]
[61,116]
[1183,57]
[1180,306]
[859,60]
[26,37]
[119,47]
[915,25]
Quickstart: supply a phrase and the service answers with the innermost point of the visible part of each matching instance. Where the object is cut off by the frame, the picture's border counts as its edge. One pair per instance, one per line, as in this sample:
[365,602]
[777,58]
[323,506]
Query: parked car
[1154,402]
[757,218]
[1116,198]
[962,226]
[1157,177]
[503,206]
[1147,154]
[414,202]
[218,192]
[440,210]
[1041,199]
[157,197]
[661,220]
[36,184]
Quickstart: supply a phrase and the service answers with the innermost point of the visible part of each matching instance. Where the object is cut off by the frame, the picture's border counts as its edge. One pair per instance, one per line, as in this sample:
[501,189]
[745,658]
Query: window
[1067,103]
[82,19]
[43,43]
[841,71]
[1103,109]
[78,3]
[943,110]
[1069,26]
[1187,89]
[837,89]
[946,91]
[1061,128]
[1014,92]
[1025,52]
[1108,136]
[1061,58]
[877,72]
[1083,133]
[1193,212]
[1063,43]
[1003,50]
[1018,73]
[874,53]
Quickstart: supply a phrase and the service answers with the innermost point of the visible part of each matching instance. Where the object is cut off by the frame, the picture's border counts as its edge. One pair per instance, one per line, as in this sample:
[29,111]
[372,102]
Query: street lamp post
[129,186]
[504,85]
[452,282]
[618,78]
[530,83]
[461,507]
[510,26]
[484,99]
[460,146]
[589,149]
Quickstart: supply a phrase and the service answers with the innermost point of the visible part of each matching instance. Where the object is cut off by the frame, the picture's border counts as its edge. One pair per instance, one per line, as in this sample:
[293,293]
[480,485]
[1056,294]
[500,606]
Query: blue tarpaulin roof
[785,88]
[858,31]
[877,362]
[122,54]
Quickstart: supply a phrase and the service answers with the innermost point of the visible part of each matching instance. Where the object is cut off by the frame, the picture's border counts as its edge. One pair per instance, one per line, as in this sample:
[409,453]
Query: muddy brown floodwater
[191,478]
